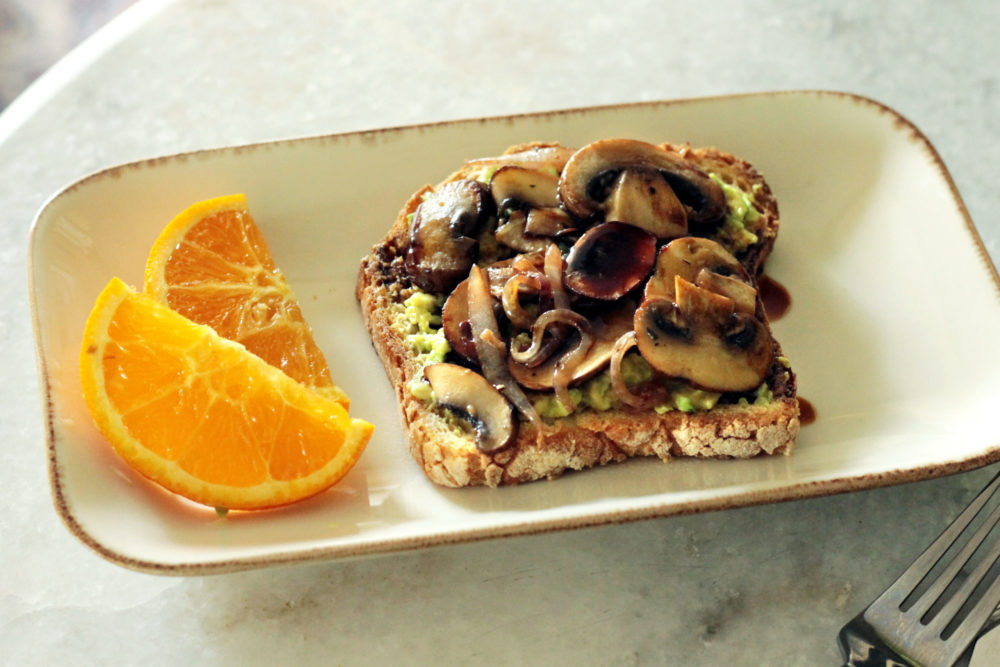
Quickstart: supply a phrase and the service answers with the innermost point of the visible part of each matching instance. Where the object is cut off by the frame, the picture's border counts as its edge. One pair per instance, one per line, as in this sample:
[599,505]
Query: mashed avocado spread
[598,394]
[418,320]
[743,218]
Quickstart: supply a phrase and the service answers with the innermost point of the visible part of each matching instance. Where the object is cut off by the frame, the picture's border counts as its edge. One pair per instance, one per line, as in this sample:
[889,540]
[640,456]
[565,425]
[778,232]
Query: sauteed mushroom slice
[471,397]
[551,157]
[583,185]
[442,244]
[455,322]
[687,257]
[702,338]
[523,187]
[548,222]
[609,261]
[646,200]
[490,348]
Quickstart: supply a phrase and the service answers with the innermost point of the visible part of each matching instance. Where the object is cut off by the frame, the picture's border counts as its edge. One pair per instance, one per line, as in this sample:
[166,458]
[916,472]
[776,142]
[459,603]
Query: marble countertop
[761,585]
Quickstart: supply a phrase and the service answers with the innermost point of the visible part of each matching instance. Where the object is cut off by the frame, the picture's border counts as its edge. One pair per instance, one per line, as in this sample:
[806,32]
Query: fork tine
[945,578]
[888,628]
[921,567]
[986,604]
[948,649]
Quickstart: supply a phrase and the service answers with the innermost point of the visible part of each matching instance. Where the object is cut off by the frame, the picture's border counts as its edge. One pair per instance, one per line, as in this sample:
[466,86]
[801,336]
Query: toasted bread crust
[587,438]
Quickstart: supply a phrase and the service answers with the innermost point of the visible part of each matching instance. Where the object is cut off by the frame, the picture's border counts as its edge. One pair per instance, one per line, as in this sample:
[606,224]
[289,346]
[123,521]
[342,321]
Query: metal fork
[906,626]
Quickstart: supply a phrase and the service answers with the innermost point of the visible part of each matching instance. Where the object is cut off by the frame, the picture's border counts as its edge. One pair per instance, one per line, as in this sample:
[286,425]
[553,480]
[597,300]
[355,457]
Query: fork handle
[860,646]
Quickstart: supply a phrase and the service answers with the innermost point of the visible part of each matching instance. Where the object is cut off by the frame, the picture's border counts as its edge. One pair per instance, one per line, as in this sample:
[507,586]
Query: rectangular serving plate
[892,329]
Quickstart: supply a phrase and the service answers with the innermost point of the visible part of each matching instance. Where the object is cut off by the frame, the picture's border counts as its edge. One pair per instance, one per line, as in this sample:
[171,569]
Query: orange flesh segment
[203,417]
[212,265]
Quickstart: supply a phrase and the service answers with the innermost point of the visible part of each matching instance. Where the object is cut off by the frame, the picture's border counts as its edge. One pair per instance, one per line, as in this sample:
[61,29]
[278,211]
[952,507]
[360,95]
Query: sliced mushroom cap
[607,328]
[646,200]
[442,244]
[687,257]
[520,186]
[455,313]
[584,180]
[610,260]
[471,397]
[455,322]
[703,339]
[551,157]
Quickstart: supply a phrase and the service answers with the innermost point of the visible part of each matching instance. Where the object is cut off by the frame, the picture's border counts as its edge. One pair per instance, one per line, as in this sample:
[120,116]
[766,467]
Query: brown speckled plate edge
[785,492]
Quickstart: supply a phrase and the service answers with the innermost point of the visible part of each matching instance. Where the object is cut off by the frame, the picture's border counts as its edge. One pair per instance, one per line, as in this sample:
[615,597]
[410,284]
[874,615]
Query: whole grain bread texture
[733,429]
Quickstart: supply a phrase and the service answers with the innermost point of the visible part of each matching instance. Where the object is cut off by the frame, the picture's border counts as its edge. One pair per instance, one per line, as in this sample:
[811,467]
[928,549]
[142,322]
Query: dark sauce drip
[776,298]
[807,413]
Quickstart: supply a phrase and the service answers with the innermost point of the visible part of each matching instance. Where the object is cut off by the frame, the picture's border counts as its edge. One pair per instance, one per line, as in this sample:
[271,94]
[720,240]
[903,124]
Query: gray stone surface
[763,585]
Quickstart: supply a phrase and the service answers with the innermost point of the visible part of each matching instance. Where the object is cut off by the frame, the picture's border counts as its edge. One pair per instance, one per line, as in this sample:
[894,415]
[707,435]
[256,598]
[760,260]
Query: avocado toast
[552,309]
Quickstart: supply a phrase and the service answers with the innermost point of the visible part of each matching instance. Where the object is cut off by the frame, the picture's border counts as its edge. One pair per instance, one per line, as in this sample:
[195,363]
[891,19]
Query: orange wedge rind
[202,416]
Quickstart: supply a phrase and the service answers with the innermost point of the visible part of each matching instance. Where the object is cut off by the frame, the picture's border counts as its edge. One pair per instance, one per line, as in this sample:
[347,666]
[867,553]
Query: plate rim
[762,495]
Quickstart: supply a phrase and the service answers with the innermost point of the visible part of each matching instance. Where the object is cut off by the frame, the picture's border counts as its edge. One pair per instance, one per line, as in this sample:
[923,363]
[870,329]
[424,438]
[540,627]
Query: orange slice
[201,416]
[212,265]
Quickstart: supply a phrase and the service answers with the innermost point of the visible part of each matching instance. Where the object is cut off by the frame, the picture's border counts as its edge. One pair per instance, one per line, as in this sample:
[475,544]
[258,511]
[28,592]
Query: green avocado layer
[738,230]
[418,321]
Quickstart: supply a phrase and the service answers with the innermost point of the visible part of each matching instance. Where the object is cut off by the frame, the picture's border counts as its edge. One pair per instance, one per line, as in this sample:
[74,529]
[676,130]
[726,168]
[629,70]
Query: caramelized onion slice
[556,323]
[563,368]
[511,298]
[625,343]
[567,364]
[485,334]
[554,271]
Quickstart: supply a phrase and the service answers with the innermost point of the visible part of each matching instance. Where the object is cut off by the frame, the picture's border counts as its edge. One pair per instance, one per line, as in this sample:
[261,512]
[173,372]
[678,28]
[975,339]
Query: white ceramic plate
[892,329]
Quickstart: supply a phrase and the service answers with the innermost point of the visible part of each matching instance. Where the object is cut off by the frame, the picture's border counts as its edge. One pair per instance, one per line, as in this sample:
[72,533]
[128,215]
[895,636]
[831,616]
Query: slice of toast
[705,412]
